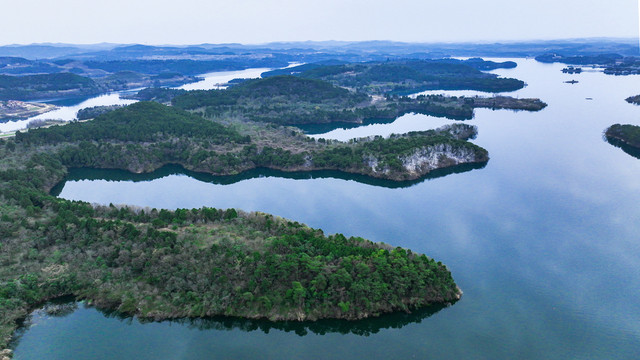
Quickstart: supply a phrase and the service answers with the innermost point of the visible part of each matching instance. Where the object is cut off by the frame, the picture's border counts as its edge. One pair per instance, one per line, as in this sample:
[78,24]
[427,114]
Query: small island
[628,135]
[572,70]
[633,100]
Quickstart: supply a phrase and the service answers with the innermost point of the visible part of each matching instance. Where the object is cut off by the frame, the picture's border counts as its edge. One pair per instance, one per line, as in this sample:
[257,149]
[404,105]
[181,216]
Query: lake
[543,240]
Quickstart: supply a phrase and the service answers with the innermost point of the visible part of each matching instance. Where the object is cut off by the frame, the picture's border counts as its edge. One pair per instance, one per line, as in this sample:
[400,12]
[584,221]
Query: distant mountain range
[364,50]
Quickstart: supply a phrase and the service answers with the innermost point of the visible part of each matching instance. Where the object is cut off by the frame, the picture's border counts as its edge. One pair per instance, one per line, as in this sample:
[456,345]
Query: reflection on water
[83,174]
[315,129]
[631,150]
[365,327]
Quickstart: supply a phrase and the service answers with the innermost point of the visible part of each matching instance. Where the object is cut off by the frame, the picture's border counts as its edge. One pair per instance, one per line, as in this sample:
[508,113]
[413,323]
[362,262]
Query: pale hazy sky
[260,21]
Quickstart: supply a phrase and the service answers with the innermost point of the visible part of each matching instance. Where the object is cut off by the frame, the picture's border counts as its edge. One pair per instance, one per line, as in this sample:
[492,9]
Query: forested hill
[411,75]
[161,264]
[476,63]
[41,86]
[142,121]
[275,90]
[291,100]
[146,136]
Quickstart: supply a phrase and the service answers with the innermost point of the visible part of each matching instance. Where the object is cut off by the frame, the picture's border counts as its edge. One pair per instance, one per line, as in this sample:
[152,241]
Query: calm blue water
[544,241]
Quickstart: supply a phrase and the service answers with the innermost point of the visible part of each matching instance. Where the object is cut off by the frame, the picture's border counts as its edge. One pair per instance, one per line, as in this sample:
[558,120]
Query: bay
[543,241]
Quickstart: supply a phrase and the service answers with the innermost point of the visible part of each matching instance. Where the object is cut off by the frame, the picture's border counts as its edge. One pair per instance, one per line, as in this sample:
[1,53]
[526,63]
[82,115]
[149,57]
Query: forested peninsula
[146,136]
[291,100]
[407,76]
[67,85]
[162,264]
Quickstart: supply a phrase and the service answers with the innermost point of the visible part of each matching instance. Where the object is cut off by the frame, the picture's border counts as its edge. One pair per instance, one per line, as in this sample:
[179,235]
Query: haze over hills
[102,51]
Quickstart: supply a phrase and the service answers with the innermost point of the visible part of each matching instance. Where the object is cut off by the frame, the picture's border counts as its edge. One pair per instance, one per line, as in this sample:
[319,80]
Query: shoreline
[22,110]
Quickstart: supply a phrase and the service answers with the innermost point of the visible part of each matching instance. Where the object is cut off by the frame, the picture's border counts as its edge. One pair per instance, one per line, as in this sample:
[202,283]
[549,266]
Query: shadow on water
[314,129]
[67,305]
[631,150]
[363,327]
[58,307]
[78,174]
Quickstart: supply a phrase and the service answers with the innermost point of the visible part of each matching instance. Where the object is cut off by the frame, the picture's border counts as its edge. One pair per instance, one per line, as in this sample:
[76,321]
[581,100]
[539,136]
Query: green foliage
[94,111]
[412,75]
[629,134]
[600,59]
[194,262]
[161,95]
[286,99]
[38,86]
[279,99]
[189,67]
[143,121]
[203,262]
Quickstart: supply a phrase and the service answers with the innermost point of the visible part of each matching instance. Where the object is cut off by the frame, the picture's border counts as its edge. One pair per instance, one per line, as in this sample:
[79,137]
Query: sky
[262,21]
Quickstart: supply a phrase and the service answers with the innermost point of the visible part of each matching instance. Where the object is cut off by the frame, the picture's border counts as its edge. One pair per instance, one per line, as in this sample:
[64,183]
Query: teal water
[543,240]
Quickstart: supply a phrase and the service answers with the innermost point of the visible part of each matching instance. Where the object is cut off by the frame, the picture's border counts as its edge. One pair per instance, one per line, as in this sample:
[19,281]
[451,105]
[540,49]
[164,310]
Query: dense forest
[63,78]
[476,63]
[64,85]
[163,264]
[94,111]
[145,136]
[410,76]
[49,85]
[139,122]
[628,66]
[286,99]
[625,137]
[124,80]
[161,95]
[187,67]
[595,59]
[628,134]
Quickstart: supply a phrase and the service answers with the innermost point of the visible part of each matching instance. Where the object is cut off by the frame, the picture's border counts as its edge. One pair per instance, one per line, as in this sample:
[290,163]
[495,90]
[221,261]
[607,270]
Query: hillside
[411,76]
[292,100]
[146,136]
[31,87]
[161,264]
